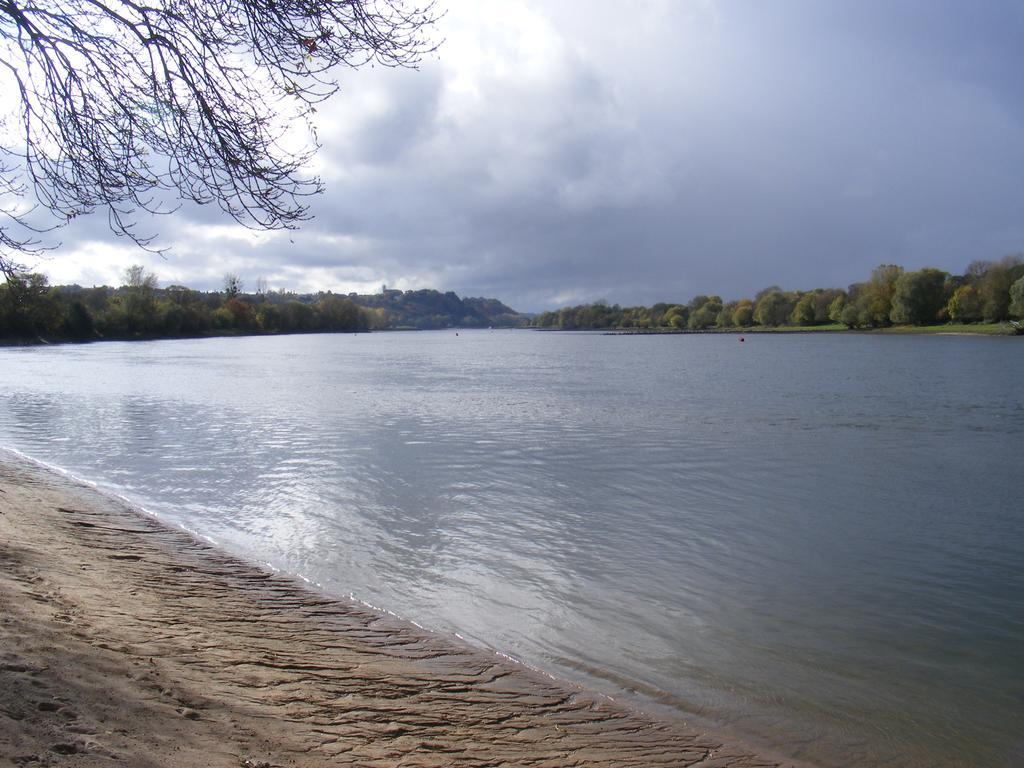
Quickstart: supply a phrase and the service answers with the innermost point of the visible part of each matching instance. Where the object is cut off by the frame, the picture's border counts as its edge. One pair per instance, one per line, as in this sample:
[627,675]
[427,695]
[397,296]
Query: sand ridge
[126,642]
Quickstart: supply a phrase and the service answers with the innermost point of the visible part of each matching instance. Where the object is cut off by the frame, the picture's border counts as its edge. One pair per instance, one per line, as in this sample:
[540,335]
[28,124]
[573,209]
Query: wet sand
[123,641]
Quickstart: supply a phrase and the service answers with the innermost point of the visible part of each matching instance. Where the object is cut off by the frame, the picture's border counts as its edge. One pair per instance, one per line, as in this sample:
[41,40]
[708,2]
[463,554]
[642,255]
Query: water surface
[815,542]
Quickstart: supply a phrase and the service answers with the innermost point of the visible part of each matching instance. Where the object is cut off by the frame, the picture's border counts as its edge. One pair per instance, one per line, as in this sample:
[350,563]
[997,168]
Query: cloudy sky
[561,151]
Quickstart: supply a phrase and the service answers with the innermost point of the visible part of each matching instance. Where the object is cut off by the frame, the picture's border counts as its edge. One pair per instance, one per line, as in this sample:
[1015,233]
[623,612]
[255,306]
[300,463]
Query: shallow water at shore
[814,542]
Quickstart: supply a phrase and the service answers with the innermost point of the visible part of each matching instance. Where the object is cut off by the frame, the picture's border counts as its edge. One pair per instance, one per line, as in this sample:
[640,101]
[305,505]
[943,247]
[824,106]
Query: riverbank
[124,640]
[40,341]
[945,329]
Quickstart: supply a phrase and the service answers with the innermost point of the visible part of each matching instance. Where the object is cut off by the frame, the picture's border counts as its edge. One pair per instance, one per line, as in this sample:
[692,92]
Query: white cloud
[88,263]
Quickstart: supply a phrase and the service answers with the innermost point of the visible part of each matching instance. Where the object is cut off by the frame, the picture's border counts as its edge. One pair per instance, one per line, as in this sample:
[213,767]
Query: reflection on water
[815,542]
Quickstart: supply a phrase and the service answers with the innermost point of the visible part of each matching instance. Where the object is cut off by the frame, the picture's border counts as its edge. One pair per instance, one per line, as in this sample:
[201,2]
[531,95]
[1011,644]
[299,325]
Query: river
[814,542]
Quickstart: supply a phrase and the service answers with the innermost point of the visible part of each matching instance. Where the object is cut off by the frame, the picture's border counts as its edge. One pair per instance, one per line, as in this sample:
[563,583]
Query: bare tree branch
[113,104]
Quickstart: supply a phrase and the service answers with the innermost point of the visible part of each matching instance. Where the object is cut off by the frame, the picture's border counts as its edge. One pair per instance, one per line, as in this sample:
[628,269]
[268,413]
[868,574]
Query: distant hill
[427,309]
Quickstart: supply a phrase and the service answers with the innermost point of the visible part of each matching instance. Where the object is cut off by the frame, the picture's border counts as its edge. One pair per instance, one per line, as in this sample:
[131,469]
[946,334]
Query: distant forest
[989,292]
[32,310]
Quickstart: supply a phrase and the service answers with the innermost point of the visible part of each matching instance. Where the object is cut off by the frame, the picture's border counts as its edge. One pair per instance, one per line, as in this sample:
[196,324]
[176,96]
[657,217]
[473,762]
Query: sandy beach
[124,641]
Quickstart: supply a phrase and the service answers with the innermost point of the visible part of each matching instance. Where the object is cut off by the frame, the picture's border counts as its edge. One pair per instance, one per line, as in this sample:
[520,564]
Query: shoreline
[124,639]
[991,330]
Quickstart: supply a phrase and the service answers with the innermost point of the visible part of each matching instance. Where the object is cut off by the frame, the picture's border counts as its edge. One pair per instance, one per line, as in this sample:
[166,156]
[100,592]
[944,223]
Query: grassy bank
[983,329]
[979,329]
[971,329]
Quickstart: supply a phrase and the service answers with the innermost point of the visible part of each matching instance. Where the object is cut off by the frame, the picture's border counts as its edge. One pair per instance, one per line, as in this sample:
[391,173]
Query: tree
[232,285]
[836,307]
[743,315]
[78,324]
[134,107]
[773,308]
[824,298]
[965,305]
[803,311]
[137,278]
[765,291]
[993,281]
[28,306]
[340,314]
[138,300]
[918,297]
[243,316]
[724,319]
[296,316]
[675,317]
[1017,298]
[658,312]
[874,304]
[704,312]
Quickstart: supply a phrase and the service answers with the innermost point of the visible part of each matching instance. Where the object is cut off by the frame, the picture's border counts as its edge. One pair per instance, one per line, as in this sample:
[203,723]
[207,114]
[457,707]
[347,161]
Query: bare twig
[117,103]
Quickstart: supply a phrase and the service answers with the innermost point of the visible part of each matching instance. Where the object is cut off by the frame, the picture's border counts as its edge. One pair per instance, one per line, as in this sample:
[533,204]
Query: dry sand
[125,642]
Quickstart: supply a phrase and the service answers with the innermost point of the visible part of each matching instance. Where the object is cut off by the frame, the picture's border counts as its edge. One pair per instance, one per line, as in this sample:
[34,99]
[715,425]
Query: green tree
[28,306]
[335,313]
[96,299]
[836,307]
[918,297]
[1017,298]
[765,291]
[171,319]
[773,308]
[223,319]
[743,315]
[138,300]
[269,317]
[79,323]
[641,317]
[993,281]
[851,316]
[567,318]
[676,316]
[545,320]
[823,300]
[658,313]
[804,310]
[965,305]
[724,319]
[874,304]
[185,312]
[704,312]
[297,316]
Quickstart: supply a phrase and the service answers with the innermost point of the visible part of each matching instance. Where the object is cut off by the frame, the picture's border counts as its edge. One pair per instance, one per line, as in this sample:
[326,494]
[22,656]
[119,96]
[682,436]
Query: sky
[555,152]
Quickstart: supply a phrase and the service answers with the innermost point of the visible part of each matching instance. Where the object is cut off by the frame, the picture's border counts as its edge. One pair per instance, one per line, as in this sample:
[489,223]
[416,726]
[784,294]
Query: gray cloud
[563,152]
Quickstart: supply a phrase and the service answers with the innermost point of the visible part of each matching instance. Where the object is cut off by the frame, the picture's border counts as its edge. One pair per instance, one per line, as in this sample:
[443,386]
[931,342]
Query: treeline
[988,292]
[32,309]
